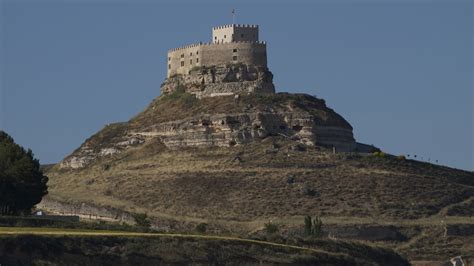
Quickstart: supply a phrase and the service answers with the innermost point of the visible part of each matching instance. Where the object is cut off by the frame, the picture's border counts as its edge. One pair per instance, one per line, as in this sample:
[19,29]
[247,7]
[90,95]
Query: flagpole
[233,16]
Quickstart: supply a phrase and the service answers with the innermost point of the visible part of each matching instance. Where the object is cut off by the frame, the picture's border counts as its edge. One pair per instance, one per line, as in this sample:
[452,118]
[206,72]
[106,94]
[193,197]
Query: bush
[290,179]
[271,228]
[188,99]
[180,94]
[105,167]
[313,227]
[308,191]
[379,154]
[401,157]
[142,220]
[201,228]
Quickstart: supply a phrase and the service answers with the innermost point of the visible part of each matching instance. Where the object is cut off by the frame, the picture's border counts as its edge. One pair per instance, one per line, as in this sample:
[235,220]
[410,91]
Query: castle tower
[235,33]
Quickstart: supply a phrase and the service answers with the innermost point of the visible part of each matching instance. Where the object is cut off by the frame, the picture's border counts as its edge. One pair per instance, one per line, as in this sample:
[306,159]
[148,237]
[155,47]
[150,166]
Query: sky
[401,73]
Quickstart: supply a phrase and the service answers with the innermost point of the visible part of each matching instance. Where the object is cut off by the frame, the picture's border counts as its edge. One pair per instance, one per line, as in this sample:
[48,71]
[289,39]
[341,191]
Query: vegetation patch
[112,249]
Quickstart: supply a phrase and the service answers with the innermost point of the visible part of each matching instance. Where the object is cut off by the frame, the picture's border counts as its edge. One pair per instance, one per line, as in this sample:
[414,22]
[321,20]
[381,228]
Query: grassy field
[87,232]
[98,247]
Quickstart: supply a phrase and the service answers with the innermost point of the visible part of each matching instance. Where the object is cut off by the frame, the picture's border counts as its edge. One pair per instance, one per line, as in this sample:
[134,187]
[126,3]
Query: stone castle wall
[183,60]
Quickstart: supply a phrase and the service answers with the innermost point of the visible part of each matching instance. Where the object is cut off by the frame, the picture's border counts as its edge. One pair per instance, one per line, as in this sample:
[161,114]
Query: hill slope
[271,159]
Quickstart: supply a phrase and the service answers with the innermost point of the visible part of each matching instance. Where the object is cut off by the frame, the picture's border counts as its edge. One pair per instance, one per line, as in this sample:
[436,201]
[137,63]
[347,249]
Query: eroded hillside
[236,163]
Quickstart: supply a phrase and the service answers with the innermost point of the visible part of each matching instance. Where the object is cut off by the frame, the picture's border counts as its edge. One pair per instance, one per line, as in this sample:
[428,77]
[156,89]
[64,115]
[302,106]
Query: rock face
[227,130]
[109,141]
[222,80]
[223,122]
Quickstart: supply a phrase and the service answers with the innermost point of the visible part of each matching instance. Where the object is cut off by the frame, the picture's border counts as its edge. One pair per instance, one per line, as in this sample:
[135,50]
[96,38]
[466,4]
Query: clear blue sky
[400,73]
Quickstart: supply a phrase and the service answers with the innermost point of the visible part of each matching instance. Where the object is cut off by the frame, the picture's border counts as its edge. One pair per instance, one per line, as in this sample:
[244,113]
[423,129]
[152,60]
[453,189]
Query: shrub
[313,227]
[142,220]
[188,99]
[105,167]
[379,154]
[177,93]
[180,94]
[201,228]
[180,89]
[401,157]
[290,179]
[308,191]
[271,228]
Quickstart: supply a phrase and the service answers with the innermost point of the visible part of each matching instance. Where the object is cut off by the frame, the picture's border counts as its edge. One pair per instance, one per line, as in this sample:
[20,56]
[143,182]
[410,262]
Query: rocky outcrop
[227,130]
[111,140]
[222,130]
[222,122]
[222,80]
[85,211]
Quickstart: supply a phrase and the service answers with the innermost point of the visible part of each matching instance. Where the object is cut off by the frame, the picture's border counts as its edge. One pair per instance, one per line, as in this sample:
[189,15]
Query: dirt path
[444,210]
[79,232]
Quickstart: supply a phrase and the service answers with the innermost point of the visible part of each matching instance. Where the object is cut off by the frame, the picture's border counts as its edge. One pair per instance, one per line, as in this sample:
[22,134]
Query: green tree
[271,228]
[201,228]
[308,224]
[313,227]
[22,183]
[142,219]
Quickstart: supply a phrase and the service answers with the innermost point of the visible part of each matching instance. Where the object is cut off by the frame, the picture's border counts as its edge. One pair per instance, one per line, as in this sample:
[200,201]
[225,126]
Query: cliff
[221,80]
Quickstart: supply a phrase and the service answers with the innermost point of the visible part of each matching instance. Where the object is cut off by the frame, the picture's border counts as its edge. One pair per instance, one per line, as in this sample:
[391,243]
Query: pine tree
[308,224]
[313,227]
[22,183]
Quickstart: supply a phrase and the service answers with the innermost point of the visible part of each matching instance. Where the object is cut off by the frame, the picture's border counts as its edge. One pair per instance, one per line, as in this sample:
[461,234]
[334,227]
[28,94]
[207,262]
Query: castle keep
[234,62]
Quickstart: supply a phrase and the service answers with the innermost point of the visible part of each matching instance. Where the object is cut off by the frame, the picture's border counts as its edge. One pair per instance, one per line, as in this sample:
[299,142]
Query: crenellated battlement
[188,46]
[211,43]
[235,25]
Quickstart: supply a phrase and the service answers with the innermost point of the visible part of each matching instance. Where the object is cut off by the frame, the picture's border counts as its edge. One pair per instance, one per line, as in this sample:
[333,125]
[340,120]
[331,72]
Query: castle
[234,62]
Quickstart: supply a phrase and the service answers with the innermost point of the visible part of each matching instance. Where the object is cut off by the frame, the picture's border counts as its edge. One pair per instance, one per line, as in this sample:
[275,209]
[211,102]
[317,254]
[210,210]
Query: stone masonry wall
[182,60]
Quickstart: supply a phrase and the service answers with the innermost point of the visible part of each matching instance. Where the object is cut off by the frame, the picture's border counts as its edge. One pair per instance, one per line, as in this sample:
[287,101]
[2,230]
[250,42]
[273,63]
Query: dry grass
[171,108]
[66,246]
[207,185]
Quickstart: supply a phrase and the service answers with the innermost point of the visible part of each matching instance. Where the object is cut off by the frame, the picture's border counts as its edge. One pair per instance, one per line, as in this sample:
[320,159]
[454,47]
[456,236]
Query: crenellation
[210,43]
